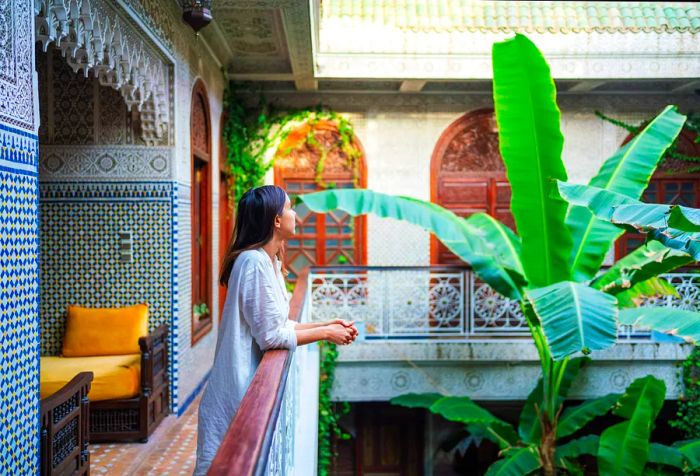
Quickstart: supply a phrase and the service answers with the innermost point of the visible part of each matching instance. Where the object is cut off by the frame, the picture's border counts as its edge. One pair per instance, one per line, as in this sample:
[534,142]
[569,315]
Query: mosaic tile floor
[169,451]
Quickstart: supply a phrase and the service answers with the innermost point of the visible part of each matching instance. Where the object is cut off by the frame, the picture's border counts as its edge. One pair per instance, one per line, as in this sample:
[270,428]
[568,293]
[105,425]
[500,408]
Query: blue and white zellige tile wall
[19,270]
[80,261]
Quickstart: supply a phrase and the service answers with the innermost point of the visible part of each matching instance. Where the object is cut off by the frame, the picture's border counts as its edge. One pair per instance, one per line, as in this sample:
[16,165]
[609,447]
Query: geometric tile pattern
[19,275]
[184,258]
[80,260]
[171,450]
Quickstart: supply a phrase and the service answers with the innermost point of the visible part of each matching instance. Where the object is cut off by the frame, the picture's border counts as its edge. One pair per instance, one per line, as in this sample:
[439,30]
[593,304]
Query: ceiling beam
[584,86]
[260,76]
[412,86]
[686,87]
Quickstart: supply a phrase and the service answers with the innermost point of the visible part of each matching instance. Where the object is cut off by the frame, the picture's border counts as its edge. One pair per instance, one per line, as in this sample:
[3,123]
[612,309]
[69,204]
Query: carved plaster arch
[92,38]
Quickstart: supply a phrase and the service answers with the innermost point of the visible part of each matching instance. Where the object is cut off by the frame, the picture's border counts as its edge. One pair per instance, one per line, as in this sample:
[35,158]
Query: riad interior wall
[399,133]
[99,179]
[193,61]
[19,244]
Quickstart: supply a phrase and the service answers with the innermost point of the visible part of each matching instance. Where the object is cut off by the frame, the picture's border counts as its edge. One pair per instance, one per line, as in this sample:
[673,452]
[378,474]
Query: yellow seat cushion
[104,331]
[115,376]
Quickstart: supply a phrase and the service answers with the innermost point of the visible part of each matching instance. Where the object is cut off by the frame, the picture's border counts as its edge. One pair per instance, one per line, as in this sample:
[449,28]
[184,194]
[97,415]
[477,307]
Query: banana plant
[551,265]
[622,449]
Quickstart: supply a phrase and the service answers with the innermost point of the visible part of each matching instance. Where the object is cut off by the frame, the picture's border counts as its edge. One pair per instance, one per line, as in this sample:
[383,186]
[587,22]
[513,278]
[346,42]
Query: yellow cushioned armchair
[129,394]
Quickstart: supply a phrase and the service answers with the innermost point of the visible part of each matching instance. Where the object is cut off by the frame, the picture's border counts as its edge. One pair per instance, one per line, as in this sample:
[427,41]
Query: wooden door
[321,239]
[468,175]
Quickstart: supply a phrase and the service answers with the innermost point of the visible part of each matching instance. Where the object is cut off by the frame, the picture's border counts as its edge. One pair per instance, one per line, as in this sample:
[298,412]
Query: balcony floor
[170,450]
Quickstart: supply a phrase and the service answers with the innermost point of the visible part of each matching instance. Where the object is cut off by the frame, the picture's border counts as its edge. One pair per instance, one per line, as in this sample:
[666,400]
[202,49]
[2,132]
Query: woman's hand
[340,334]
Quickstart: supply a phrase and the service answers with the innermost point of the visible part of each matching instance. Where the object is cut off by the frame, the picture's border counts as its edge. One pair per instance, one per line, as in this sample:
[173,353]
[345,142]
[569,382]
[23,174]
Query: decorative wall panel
[19,244]
[79,110]
[16,68]
[80,262]
[19,282]
[93,37]
[61,162]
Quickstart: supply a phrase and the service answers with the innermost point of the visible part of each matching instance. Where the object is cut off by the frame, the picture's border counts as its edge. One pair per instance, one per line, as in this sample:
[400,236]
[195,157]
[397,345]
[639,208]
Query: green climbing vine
[328,412]
[688,414]
[692,123]
[253,136]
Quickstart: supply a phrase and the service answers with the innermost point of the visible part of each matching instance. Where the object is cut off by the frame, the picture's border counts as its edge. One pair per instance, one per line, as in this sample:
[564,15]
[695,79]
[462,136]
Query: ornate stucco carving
[94,38]
[16,91]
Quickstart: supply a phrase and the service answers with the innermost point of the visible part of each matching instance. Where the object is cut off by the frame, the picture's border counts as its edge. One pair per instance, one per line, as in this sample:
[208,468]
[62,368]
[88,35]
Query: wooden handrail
[246,446]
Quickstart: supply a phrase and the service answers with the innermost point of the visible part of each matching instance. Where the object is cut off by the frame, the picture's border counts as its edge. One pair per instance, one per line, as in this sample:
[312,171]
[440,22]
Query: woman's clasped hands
[341,332]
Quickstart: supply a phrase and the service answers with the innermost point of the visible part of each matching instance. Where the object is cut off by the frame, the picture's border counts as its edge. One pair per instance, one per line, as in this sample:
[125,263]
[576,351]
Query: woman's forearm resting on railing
[336,331]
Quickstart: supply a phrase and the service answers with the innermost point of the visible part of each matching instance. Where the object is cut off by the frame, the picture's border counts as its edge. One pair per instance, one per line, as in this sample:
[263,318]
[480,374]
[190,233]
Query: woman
[254,317]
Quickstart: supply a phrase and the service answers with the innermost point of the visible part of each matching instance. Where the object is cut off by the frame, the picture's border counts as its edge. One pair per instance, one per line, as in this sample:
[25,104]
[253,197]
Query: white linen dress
[254,319]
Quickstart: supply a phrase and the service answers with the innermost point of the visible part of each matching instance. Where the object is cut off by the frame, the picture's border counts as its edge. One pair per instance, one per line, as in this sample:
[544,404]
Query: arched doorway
[467,174]
[201,210]
[674,182]
[322,239]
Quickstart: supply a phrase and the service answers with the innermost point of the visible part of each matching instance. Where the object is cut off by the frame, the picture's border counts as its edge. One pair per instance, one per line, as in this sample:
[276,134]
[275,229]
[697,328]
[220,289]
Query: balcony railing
[265,431]
[272,433]
[448,303]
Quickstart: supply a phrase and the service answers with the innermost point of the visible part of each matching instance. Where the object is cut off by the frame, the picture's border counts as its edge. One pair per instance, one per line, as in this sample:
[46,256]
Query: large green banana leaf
[463,410]
[601,202]
[691,450]
[586,445]
[575,317]
[652,215]
[645,262]
[634,215]
[531,143]
[679,322]
[506,244]
[416,400]
[489,250]
[575,418]
[624,447]
[627,172]
[668,455]
[651,288]
[516,462]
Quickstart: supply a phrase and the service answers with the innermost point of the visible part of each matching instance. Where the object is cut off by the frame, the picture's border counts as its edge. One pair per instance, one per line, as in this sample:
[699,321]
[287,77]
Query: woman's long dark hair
[255,220]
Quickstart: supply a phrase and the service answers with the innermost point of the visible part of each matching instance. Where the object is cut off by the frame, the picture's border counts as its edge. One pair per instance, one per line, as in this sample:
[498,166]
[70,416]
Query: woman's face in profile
[288,220]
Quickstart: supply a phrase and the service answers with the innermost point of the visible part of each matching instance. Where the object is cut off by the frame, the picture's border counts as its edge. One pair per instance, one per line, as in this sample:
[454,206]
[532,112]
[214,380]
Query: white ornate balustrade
[447,303]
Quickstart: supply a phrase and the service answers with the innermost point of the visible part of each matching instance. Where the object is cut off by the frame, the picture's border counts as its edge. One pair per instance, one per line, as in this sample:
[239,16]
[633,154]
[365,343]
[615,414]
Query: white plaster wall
[398,138]
[192,62]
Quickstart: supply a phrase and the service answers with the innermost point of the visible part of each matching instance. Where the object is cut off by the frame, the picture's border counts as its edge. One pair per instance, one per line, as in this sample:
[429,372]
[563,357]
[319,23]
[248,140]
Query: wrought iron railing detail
[443,302]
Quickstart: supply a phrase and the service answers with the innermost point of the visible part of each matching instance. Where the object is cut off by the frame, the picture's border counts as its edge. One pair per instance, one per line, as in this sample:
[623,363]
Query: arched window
[467,174]
[200,147]
[226,206]
[322,239]
[671,184]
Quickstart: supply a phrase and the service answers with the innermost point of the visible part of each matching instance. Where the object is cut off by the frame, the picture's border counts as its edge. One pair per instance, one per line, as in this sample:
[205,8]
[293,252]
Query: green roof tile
[525,16]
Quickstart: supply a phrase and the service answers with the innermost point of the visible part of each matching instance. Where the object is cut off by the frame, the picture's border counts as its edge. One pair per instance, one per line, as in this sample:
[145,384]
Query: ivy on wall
[688,415]
[692,123]
[253,136]
[328,412]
